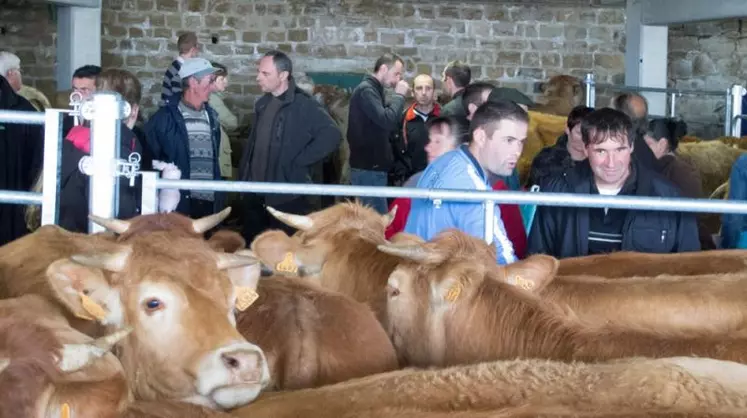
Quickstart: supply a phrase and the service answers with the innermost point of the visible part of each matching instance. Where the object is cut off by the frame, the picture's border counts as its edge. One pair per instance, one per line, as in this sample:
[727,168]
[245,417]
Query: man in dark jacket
[291,133]
[610,170]
[186,132]
[21,156]
[455,78]
[370,125]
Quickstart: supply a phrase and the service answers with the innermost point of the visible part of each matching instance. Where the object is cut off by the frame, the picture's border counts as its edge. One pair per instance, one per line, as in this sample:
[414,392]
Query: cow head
[179,296]
[563,87]
[319,233]
[47,367]
[438,278]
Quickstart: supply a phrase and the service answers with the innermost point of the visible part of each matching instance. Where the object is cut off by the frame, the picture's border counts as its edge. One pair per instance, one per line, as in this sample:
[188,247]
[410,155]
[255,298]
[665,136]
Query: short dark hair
[281,60]
[489,114]
[87,71]
[671,129]
[186,41]
[441,121]
[576,115]
[473,94]
[622,102]
[605,123]
[459,72]
[387,59]
[222,70]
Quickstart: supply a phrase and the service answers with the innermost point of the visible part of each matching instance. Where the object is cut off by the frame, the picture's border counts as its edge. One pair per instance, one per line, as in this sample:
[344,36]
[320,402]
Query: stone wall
[513,44]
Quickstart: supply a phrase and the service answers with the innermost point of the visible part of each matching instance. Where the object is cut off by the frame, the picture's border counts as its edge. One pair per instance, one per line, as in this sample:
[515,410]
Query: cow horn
[300,222]
[205,224]
[115,262]
[4,363]
[389,217]
[76,356]
[411,252]
[227,261]
[114,225]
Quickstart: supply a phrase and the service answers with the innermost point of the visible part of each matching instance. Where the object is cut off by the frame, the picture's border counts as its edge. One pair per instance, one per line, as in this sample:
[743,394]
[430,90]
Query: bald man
[636,107]
[410,139]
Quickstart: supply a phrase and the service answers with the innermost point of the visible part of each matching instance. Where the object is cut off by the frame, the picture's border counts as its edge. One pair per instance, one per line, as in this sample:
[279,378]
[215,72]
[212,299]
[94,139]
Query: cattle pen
[106,168]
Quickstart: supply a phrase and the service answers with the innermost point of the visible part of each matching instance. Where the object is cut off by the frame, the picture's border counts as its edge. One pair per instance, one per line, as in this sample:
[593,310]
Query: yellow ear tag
[288,265]
[92,308]
[65,411]
[245,297]
[522,283]
[453,293]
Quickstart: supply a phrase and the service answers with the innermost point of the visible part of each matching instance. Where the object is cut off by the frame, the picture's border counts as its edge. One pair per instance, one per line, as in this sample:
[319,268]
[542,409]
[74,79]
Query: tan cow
[630,387]
[175,291]
[444,308]
[628,264]
[47,367]
[561,94]
[337,246]
[310,336]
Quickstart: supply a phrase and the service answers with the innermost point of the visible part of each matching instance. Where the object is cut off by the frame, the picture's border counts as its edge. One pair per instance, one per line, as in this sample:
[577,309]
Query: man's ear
[85,292]
[532,274]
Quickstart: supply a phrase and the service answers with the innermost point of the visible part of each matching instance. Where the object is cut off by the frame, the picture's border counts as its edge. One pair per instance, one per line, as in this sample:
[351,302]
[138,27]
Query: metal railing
[49,199]
[732,95]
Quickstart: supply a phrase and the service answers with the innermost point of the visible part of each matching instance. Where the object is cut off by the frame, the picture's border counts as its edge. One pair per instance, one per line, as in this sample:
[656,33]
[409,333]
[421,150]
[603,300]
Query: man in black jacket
[610,170]
[370,125]
[291,133]
[21,151]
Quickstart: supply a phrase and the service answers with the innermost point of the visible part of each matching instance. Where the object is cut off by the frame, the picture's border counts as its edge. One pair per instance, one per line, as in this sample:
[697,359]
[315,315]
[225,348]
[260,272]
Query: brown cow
[337,245]
[444,308]
[628,264]
[310,336]
[175,292]
[46,366]
[560,95]
[630,387]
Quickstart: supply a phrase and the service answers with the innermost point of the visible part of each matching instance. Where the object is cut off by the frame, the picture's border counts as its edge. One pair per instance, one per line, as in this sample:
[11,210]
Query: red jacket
[510,215]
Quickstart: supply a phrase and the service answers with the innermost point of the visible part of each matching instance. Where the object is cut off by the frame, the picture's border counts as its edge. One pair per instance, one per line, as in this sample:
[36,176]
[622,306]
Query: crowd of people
[406,138]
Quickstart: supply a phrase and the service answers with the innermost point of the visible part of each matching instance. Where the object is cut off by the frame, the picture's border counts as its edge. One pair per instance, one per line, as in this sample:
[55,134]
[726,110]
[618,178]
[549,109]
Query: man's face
[424,92]
[202,87]
[440,141]
[500,152]
[268,77]
[15,79]
[610,160]
[221,82]
[85,86]
[575,141]
[393,74]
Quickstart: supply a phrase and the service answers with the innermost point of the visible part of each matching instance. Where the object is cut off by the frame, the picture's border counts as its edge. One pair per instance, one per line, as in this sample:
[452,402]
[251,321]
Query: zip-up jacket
[457,169]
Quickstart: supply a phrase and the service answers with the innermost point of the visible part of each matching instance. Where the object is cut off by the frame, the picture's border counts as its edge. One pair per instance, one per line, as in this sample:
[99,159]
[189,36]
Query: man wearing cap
[187,133]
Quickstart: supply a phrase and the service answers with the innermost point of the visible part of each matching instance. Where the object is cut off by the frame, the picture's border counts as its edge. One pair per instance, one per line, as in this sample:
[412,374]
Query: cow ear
[85,292]
[226,241]
[288,256]
[449,291]
[533,273]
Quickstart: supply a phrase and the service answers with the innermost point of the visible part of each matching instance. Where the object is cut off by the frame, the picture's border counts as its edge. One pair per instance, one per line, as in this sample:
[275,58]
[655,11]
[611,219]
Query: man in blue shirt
[497,134]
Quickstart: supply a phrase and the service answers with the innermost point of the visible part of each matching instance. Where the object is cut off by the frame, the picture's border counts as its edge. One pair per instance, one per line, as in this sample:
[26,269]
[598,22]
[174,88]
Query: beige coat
[229,123]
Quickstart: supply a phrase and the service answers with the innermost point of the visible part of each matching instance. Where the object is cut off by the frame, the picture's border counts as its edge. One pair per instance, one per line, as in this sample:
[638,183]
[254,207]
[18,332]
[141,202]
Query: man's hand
[402,88]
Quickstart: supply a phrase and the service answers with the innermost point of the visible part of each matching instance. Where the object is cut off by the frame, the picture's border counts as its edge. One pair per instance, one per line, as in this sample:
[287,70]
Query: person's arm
[324,135]
[384,116]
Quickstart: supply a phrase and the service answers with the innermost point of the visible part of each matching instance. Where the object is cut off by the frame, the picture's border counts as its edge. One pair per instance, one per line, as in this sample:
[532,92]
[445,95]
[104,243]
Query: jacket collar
[465,149]
[638,183]
[410,112]
[376,84]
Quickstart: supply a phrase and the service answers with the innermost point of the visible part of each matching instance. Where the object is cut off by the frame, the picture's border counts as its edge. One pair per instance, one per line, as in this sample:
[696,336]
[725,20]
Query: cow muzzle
[233,375]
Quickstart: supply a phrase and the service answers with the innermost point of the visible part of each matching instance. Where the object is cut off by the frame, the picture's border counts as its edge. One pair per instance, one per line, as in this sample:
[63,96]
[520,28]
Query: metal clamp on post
[118,167]
[76,101]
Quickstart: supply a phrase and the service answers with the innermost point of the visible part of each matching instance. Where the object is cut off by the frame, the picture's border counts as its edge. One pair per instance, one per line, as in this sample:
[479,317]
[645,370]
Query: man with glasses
[187,133]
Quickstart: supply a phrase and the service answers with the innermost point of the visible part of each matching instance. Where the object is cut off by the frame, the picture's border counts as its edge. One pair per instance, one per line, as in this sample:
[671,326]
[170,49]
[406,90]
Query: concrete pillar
[646,53]
[78,41]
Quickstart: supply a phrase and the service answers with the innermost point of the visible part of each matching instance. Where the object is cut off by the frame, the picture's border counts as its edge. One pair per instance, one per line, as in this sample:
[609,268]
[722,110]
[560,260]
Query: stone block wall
[513,43]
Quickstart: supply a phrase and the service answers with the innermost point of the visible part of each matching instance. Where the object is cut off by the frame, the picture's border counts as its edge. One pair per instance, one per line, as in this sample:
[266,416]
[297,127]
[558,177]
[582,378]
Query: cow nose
[246,364]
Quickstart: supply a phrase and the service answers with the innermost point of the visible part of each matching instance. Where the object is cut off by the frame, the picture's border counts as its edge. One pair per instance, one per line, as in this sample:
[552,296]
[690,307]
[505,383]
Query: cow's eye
[152,305]
[392,291]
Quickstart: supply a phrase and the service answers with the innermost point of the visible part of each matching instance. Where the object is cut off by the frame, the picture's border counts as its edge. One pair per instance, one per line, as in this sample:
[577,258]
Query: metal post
[737,92]
[105,111]
[728,114]
[149,202]
[672,105]
[52,163]
[590,90]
